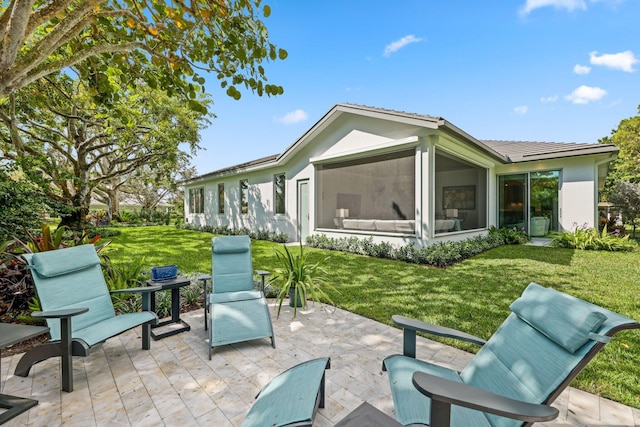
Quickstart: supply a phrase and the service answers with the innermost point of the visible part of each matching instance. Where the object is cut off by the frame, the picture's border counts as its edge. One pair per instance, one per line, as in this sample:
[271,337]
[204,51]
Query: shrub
[440,254]
[587,238]
[511,236]
[270,236]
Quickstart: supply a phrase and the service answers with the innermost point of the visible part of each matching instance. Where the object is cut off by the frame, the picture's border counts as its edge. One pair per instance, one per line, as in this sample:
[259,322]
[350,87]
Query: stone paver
[175,384]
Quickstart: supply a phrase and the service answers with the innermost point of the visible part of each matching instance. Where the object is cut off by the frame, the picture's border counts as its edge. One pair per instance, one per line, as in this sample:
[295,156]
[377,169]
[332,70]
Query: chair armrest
[141,289]
[444,393]
[59,314]
[411,326]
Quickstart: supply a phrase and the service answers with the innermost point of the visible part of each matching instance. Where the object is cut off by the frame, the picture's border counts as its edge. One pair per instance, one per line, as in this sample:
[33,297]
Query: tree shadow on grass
[561,256]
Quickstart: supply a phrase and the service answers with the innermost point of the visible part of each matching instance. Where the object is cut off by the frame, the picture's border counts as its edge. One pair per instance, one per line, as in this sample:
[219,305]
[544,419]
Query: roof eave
[453,130]
[605,149]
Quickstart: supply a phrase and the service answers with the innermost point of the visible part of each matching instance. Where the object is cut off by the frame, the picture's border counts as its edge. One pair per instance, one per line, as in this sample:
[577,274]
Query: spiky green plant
[305,279]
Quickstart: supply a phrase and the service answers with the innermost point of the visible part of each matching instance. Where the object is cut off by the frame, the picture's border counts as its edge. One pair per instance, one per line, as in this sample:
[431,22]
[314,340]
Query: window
[196,200]
[244,196]
[279,193]
[220,198]
[461,194]
[374,194]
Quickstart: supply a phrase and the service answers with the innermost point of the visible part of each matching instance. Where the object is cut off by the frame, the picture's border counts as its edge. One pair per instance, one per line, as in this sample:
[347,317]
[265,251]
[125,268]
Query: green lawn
[472,296]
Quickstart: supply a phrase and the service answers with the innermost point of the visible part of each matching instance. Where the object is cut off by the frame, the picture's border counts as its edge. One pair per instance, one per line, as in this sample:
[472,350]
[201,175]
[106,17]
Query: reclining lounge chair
[69,283]
[539,349]
[238,311]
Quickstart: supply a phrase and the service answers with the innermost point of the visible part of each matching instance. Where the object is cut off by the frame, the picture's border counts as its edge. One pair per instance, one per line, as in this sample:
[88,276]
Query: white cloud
[523,109]
[399,44]
[548,99]
[581,69]
[586,94]
[292,117]
[620,61]
[570,5]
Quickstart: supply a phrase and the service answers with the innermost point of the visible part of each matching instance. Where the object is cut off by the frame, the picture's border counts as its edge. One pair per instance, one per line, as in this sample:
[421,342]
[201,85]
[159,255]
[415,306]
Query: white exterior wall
[578,192]
[351,136]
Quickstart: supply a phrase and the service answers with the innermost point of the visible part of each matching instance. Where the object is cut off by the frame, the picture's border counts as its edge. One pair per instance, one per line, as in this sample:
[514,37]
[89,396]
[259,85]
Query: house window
[196,200]
[220,198]
[279,193]
[461,195]
[376,193]
[244,196]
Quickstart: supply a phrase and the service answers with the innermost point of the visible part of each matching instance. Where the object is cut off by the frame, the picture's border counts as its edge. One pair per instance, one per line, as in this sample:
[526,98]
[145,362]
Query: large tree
[625,196]
[150,187]
[71,145]
[627,137]
[161,43]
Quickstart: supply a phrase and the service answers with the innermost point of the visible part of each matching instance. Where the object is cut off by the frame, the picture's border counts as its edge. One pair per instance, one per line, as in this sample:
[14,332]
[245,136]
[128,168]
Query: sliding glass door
[512,201]
[529,201]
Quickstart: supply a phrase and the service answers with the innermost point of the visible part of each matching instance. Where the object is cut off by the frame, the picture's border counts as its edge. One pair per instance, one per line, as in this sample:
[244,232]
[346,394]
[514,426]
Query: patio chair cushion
[57,262]
[291,398]
[108,328]
[231,246]
[234,296]
[412,407]
[567,322]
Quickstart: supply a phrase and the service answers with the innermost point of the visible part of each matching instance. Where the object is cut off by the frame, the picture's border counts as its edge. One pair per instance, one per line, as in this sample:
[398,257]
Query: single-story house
[403,178]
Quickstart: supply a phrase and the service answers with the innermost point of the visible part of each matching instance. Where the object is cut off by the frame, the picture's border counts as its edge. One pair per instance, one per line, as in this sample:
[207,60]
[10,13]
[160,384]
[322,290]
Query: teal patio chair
[238,311]
[539,349]
[69,283]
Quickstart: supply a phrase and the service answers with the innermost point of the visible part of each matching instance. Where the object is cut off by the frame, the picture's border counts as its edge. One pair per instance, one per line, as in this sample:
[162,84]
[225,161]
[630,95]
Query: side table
[175,285]
[12,334]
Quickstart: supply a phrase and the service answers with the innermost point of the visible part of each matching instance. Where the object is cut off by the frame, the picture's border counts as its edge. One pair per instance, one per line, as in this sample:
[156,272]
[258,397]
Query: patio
[175,384]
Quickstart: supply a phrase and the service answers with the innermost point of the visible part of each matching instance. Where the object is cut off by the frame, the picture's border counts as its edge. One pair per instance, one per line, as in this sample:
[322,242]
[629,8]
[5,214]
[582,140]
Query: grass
[472,296]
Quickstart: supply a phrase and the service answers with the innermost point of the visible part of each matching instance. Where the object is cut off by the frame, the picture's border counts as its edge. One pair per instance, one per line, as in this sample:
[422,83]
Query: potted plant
[299,279]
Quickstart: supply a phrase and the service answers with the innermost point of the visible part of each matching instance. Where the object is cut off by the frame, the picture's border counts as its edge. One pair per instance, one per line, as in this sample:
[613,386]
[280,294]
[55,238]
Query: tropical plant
[124,276]
[17,292]
[300,279]
[588,238]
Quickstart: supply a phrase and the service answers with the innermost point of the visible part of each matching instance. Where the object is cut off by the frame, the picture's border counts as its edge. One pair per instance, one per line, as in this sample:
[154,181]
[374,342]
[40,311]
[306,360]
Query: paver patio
[174,384]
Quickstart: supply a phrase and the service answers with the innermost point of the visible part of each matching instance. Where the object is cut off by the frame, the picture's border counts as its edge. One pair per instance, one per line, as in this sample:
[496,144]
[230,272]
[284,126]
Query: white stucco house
[403,178]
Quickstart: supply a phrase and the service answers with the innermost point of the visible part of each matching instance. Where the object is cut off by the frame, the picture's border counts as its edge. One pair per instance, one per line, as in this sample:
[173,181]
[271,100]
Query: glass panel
[244,196]
[220,198]
[371,194]
[196,200]
[544,198]
[461,195]
[279,187]
[512,201]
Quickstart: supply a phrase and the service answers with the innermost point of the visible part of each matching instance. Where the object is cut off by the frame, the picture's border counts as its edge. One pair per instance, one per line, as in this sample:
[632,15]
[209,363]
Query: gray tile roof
[523,151]
[505,151]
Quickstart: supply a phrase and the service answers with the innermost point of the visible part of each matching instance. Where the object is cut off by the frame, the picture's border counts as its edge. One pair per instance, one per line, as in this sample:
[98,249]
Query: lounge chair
[540,348]
[69,283]
[238,311]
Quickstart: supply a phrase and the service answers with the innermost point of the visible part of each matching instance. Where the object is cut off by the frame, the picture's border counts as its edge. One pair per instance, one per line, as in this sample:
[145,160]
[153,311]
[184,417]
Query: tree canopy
[155,42]
[627,137]
[70,145]
[626,196]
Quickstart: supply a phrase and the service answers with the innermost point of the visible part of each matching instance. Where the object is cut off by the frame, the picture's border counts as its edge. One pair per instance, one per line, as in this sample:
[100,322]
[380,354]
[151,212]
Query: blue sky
[537,70]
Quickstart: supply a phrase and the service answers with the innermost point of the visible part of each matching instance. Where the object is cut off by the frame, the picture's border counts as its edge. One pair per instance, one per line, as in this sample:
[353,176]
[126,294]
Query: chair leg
[67,354]
[36,355]
[440,414]
[146,328]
